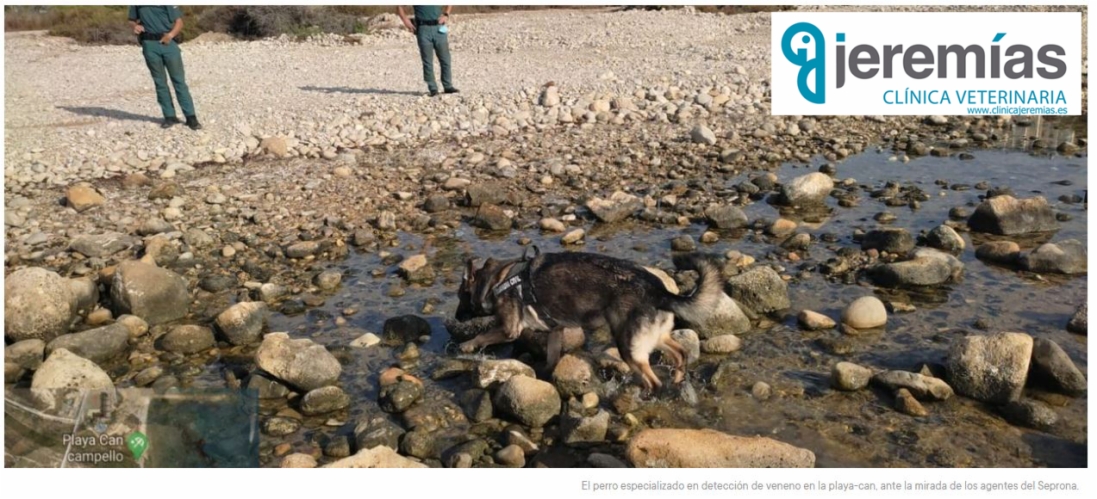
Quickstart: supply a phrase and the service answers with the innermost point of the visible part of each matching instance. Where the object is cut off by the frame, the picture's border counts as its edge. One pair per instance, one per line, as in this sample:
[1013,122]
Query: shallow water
[843,429]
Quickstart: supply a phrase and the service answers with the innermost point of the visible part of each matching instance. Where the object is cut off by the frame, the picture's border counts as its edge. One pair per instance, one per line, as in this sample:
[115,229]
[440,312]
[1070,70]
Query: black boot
[170,122]
[192,122]
[452,90]
[434,92]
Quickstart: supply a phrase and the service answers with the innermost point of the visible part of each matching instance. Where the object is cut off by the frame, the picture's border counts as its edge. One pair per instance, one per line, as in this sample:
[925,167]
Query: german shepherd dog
[556,291]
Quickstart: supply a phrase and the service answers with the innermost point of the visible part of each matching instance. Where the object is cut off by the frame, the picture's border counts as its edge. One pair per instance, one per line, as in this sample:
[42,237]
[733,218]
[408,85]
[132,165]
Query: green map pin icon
[137,442]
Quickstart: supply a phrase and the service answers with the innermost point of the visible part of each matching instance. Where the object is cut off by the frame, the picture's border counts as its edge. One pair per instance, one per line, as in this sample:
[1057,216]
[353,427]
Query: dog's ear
[490,262]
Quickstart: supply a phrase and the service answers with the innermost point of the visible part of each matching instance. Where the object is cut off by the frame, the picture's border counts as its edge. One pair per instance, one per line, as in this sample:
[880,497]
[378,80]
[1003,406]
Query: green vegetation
[99,25]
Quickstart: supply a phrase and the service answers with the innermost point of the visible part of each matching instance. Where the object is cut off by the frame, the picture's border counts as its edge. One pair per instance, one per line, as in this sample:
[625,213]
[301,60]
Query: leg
[426,54]
[173,62]
[441,45]
[678,354]
[493,337]
[155,62]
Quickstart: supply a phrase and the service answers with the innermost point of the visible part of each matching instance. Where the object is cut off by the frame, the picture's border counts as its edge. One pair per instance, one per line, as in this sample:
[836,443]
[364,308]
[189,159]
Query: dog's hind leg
[677,353]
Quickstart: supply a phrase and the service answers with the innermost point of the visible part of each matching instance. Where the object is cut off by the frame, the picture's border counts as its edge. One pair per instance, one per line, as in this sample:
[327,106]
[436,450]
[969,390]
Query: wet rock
[366,340]
[1079,324]
[324,400]
[280,426]
[760,290]
[416,269]
[1064,257]
[404,329]
[1030,414]
[579,430]
[702,135]
[945,238]
[681,448]
[573,376]
[1006,215]
[922,387]
[376,457]
[64,370]
[398,397]
[436,204]
[98,345]
[552,225]
[298,460]
[573,236]
[328,279]
[814,321]
[725,216]
[1002,252]
[301,362]
[101,245]
[27,354]
[529,401]
[866,312]
[148,376]
[480,194]
[781,227]
[849,376]
[1052,367]
[618,207]
[810,189]
[154,294]
[492,217]
[907,404]
[188,339]
[990,368]
[890,239]
[721,345]
[491,373]
[82,197]
[243,323]
[266,387]
[683,243]
[377,431]
[477,405]
[599,460]
[217,283]
[928,267]
[473,450]
[37,305]
[511,456]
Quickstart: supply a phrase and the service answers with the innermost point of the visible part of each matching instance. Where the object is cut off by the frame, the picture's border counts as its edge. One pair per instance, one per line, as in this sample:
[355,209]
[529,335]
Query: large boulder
[376,457]
[1052,367]
[991,368]
[98,345]
[760,290]
[1063,257]
[928,267]
[37,305]
[529,401]
[681,448]
[301,362]
[1006,215]
[64,370]
[810,189]
[154,294]
[243,323]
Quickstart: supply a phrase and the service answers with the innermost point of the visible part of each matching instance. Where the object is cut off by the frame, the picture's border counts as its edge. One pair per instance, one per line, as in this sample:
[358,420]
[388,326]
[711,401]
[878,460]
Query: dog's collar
[518,272]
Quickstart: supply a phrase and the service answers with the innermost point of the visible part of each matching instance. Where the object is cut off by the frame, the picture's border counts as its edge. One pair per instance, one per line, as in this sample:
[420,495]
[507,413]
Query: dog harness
[520,279]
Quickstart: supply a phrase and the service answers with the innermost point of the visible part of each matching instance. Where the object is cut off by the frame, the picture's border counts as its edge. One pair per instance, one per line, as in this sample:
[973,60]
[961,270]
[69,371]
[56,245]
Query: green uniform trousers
[164,62]
[431,41]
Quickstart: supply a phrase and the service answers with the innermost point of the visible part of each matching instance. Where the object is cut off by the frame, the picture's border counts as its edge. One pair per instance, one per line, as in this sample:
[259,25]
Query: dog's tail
[699,305]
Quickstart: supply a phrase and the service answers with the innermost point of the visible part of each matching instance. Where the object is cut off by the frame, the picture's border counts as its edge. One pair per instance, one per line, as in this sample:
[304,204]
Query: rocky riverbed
[902,291]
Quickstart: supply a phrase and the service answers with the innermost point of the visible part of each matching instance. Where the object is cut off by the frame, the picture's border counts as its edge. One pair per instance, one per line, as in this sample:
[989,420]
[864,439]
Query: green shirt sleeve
[173,13]
[133,13]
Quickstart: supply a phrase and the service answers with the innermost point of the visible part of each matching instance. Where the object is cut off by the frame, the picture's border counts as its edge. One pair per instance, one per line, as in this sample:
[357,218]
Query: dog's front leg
[508,330]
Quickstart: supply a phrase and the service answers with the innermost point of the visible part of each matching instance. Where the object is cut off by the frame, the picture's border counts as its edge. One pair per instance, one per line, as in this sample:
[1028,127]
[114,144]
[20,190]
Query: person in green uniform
[157,26]
[430,31]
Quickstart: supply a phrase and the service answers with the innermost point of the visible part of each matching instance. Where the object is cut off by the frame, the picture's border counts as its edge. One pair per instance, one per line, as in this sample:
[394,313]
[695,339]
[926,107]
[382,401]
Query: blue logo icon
[799,57]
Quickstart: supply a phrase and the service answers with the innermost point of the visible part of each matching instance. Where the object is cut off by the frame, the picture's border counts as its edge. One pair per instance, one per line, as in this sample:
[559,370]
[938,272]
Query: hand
[442,20]
[138,29]
[409,26]
[166,39]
